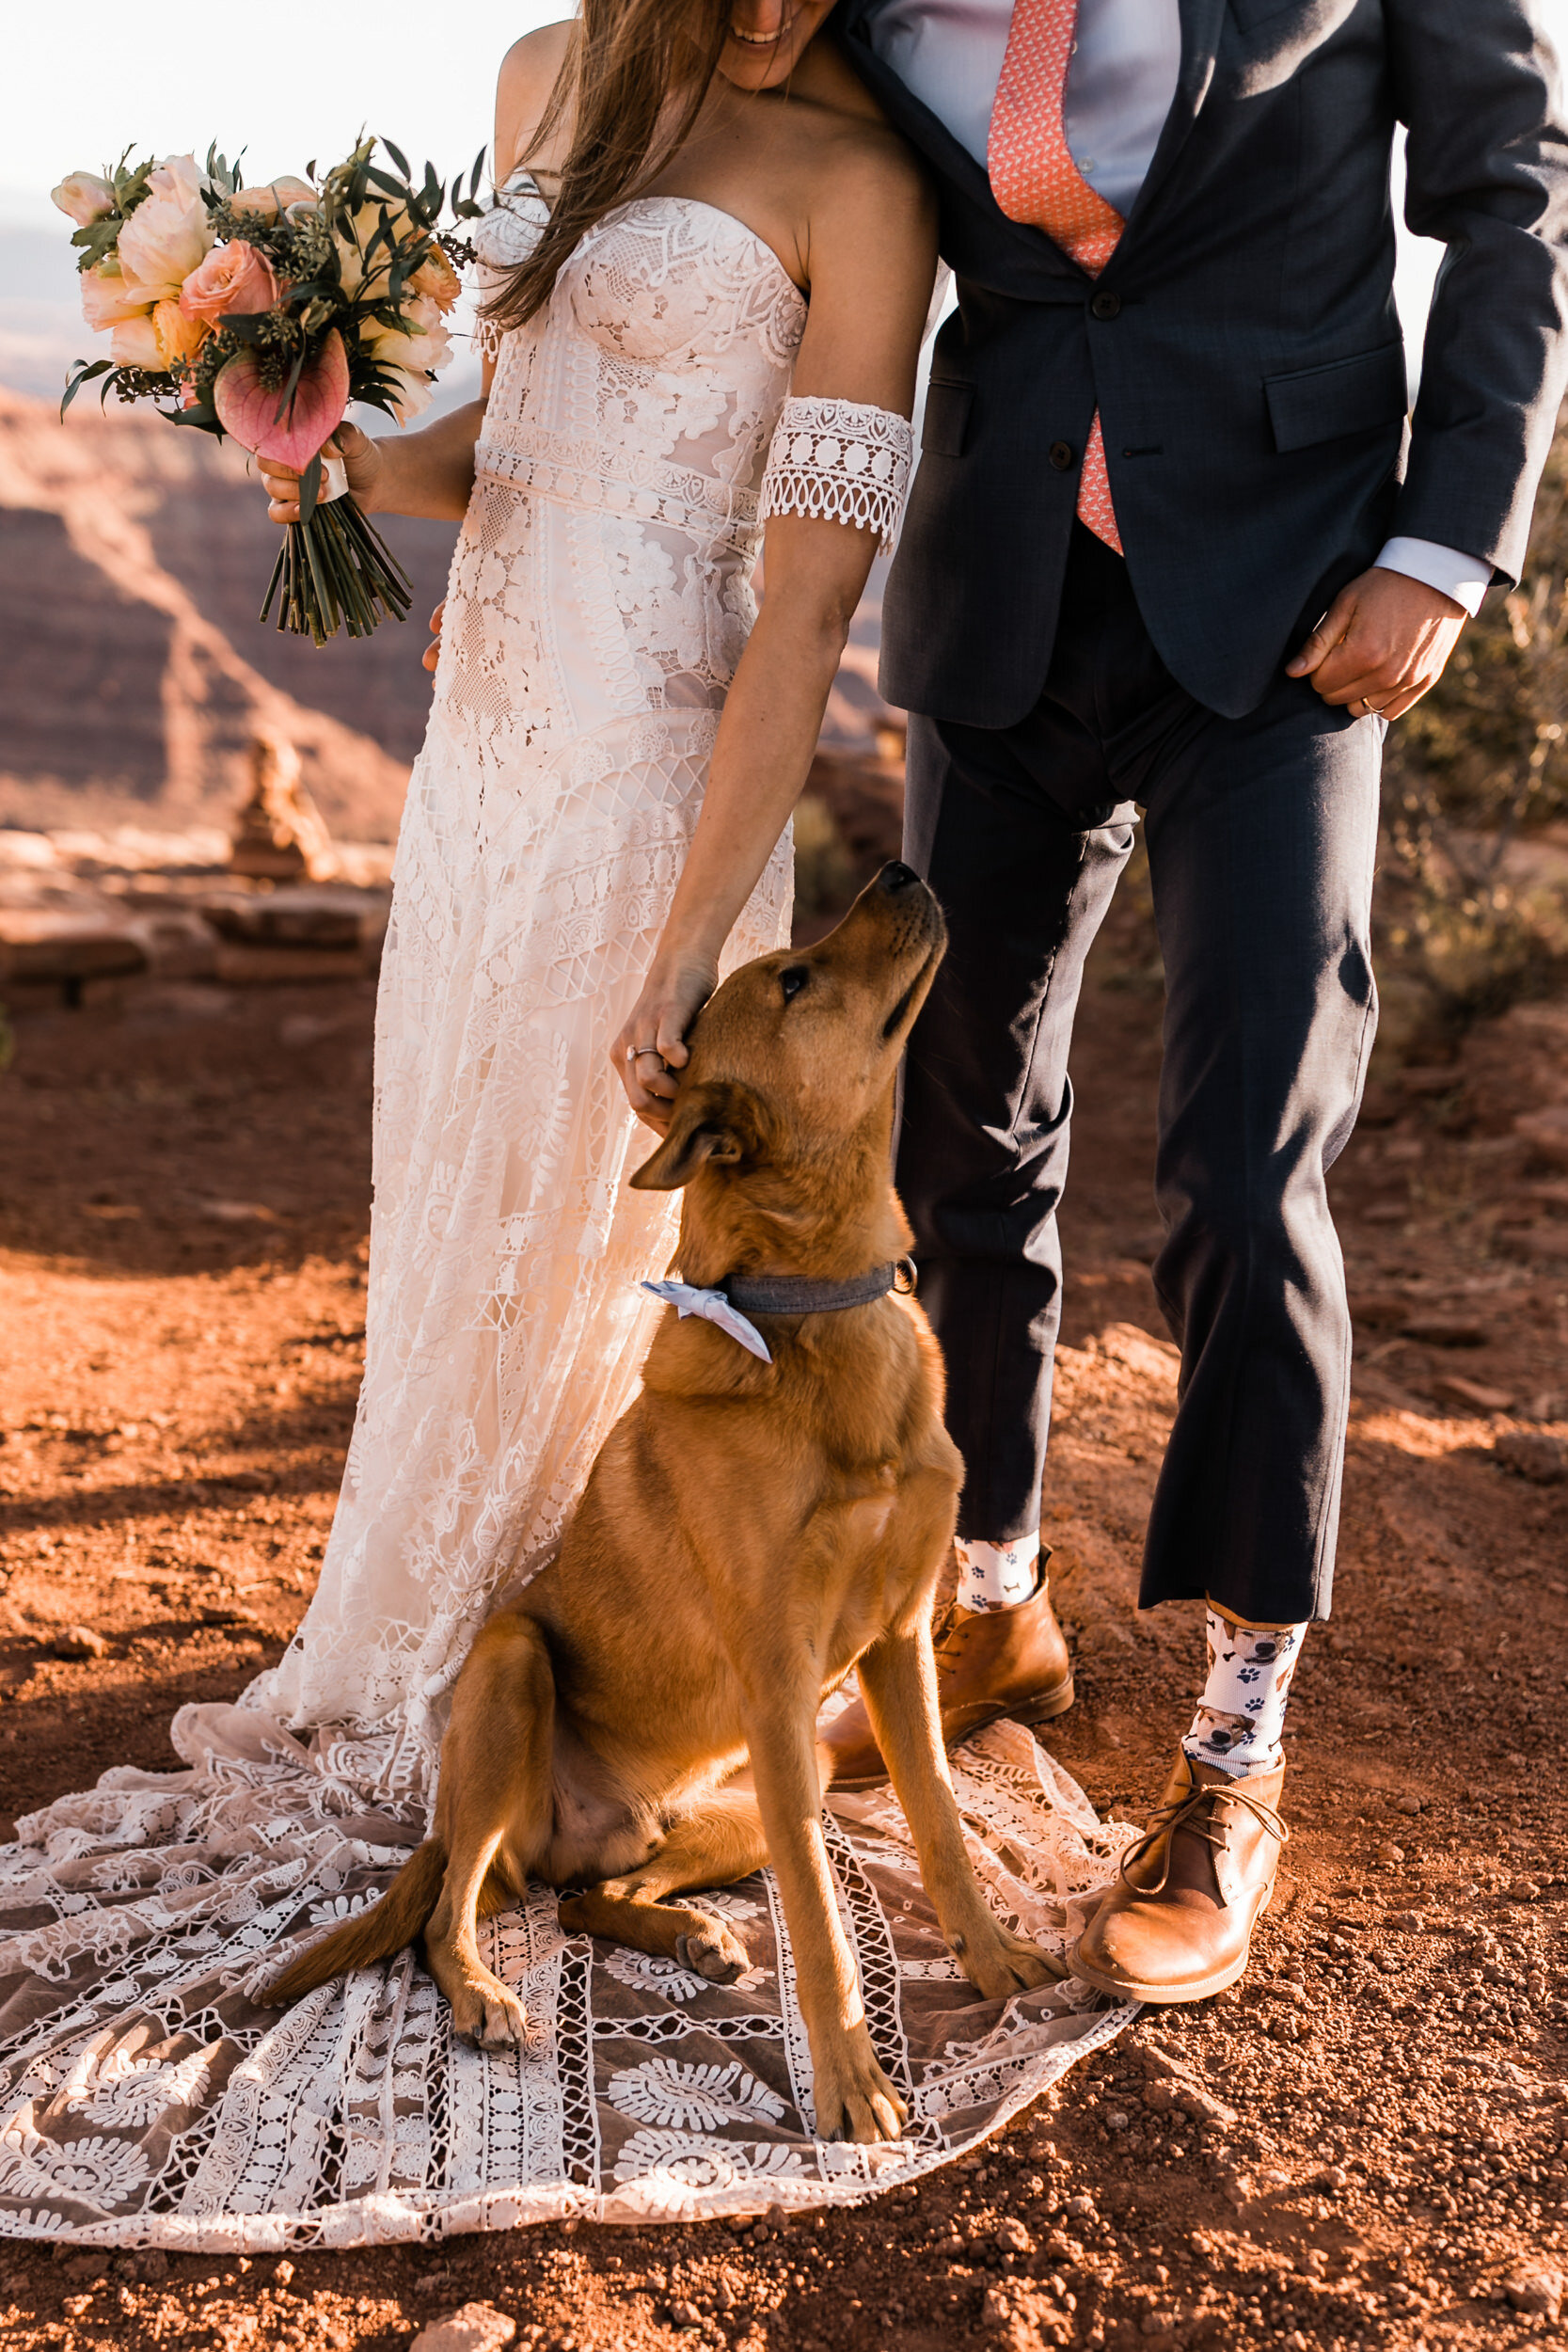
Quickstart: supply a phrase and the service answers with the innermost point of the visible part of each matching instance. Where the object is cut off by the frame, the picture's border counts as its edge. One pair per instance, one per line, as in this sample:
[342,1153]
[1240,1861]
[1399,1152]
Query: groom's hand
[1381,645]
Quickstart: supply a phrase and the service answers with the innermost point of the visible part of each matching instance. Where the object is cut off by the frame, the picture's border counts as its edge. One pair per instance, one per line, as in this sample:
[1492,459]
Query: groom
[1175,543]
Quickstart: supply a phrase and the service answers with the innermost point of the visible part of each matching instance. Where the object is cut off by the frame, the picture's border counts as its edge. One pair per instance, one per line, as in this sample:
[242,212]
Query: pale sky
[85,80]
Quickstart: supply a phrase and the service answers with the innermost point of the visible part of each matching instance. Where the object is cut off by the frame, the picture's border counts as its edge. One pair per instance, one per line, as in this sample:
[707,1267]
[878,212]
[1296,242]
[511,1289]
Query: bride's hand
[363,463]
[651,1047]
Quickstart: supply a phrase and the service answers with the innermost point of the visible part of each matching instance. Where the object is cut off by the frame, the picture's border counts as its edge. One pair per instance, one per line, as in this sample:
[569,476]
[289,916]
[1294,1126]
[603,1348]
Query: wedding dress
[637,434]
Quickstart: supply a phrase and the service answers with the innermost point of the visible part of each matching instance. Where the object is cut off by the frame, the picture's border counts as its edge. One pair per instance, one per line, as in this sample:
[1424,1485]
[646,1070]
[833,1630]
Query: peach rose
[84,196]
[108,296]
[234,277]
[134,344]
[411,394]
[167,235]
[437,277]
[423,344]
[274,196]
[180,337]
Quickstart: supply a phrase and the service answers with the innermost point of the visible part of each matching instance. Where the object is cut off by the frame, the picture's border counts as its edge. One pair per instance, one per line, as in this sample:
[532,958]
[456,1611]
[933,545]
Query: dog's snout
[895,878]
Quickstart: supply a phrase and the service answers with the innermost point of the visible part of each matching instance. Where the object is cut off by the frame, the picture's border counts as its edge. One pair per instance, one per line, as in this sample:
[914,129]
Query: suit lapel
[1202,22]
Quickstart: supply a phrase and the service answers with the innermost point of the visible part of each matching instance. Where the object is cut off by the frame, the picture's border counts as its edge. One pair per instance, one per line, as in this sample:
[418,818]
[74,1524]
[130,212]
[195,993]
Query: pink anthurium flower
[248,408]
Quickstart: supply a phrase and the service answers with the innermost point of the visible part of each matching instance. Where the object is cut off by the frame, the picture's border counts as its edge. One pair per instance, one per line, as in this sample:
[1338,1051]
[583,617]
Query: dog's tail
[373,1933]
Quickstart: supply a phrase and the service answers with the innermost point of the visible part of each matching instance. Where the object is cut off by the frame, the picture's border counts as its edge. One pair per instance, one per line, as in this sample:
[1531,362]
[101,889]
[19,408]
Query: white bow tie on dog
[713,1307]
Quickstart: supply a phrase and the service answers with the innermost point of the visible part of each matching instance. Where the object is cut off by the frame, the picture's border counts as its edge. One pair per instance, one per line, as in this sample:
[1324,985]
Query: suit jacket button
[1061,454]
[1105,306]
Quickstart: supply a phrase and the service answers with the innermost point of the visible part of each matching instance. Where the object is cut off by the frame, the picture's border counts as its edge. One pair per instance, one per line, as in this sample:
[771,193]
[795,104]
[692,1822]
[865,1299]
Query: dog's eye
[792,980]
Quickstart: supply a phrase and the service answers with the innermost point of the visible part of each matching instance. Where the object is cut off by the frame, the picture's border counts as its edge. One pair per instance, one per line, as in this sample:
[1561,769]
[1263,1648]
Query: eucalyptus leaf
[83,372]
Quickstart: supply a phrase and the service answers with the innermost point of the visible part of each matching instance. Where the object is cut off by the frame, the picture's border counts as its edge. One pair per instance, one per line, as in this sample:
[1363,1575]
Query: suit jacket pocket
[1347,396]
[946,420]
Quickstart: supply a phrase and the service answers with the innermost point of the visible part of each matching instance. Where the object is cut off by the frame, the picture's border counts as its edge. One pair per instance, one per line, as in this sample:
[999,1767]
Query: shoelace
[1169,1818]
[942,1627]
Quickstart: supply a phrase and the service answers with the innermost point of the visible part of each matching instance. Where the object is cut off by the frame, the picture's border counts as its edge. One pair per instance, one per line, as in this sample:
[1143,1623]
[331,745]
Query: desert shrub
[1472,915]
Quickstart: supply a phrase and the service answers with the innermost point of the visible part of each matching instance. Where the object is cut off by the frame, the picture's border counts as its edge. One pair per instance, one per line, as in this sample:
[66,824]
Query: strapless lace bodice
[636,408]
[655,382]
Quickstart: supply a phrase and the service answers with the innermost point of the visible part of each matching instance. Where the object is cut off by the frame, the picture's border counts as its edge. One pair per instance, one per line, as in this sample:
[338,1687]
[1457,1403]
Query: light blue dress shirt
[1121,79]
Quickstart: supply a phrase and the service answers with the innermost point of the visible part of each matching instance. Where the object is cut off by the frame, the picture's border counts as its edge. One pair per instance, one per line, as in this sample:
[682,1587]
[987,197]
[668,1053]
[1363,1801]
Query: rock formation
[278,834]
[124,541]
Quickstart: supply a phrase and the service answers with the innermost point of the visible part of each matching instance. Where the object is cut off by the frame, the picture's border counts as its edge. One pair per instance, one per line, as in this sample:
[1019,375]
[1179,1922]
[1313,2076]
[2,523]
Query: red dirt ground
[182,1222]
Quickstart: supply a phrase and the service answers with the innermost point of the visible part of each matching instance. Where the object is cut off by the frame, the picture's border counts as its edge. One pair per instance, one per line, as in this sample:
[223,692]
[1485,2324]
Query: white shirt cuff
[1453,573]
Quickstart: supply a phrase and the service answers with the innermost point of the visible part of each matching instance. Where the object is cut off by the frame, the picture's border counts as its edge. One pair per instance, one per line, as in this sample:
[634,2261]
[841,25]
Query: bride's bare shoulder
[528,73]
[849,130]
[859,168]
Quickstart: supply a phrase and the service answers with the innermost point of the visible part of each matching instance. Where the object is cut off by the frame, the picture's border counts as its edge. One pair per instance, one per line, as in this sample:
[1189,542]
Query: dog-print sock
[997,1575]
[1241,1713]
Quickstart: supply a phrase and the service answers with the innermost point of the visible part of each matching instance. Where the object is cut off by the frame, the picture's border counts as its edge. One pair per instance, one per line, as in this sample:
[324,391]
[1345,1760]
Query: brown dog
[750,1533]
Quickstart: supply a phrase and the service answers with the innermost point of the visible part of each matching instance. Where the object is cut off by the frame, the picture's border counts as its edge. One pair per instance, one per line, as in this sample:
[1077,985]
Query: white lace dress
[600,599]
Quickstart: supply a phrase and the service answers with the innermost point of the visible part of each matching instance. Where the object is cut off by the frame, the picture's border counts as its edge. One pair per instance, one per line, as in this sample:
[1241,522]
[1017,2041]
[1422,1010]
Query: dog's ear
[709,1122]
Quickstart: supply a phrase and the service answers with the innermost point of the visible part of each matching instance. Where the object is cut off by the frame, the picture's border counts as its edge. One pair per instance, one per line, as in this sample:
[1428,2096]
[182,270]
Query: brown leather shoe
[990,1663]
[1177,1924]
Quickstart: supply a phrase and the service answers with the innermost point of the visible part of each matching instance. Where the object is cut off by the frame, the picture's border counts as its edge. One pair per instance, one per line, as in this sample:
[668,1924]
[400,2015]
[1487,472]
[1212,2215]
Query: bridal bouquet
[262,312]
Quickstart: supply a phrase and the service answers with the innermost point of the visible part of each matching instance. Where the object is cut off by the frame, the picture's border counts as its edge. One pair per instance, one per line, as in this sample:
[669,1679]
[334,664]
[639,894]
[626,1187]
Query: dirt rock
[1017,2319]
[1533,1454]
[79,1641]
[1474,1395]
[1536,2291]
[474,2328]
[1380,1307]
[1546,1132]
[309,915]
[37,946]
[1445,1332]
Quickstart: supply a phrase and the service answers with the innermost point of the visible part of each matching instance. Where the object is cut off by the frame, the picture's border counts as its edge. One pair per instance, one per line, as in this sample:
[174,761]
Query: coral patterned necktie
[1034,179]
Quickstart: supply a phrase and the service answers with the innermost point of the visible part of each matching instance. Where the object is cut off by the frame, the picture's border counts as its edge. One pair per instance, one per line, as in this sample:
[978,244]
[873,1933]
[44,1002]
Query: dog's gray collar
[803,1294]
[729,1306]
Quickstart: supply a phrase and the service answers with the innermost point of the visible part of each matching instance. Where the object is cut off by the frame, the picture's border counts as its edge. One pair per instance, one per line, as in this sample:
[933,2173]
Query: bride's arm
[872,262]
[431,471]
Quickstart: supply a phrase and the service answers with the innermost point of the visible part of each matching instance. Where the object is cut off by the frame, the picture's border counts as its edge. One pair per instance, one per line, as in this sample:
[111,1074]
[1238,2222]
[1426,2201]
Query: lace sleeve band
[840,461]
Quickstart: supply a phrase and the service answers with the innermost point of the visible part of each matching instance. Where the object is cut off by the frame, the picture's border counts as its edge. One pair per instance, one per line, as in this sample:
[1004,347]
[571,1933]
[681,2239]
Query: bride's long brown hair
[635,78]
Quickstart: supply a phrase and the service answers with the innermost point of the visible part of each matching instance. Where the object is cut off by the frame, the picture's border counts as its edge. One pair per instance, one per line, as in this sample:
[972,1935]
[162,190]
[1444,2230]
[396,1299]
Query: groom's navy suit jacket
[1243,346]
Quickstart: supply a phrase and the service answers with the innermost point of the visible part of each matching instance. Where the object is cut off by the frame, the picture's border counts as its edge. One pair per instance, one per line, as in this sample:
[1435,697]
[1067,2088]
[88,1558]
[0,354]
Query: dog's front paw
[710,1950]
[1001,1963]
[853,2098]
[484,2012]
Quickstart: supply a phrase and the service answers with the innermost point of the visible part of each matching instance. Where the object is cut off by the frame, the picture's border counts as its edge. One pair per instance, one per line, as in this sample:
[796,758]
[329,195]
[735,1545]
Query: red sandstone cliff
[133,671]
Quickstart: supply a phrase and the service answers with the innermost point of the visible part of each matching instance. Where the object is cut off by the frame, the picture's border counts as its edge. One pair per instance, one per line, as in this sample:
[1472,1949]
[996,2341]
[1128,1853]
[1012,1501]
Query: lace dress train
[600,597]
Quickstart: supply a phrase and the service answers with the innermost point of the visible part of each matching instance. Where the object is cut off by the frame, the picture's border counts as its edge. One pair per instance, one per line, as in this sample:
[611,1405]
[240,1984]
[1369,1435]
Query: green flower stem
[336,572]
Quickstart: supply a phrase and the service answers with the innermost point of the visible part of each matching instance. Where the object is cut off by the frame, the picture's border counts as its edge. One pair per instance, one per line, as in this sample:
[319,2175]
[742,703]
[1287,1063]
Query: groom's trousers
[1262,832]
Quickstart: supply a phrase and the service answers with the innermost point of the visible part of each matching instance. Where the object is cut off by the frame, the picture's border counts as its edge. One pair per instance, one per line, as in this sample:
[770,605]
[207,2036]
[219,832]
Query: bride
[706,276]
[706,285]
